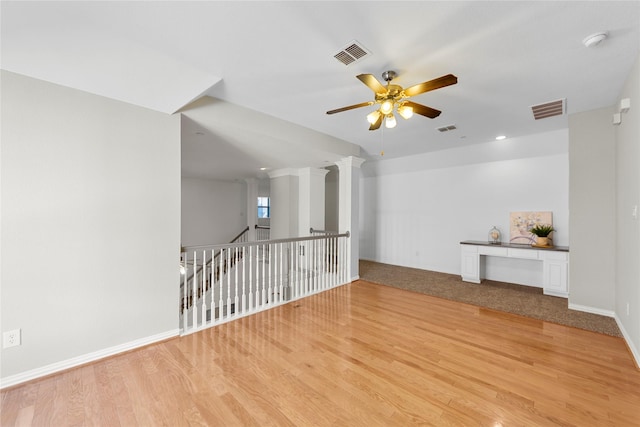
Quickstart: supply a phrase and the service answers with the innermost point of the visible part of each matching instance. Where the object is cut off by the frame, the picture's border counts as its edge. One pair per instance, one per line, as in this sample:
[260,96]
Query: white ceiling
[276,59]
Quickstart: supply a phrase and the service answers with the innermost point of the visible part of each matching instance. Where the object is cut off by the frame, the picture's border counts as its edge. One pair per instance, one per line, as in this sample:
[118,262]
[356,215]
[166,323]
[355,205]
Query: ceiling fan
[392,97]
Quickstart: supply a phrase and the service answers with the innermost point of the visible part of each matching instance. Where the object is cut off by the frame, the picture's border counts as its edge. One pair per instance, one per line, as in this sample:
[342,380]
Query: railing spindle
[280,287]
[309,256]
[204,287]
[221,276]
[250,304]
[194,281]
[314,259]
[272,254]
[344,261]
[334,261]
[185,304]
[325,278]
[212,286]
[297,262]
[264,277]
[241,262]
[227,267]
[291,280]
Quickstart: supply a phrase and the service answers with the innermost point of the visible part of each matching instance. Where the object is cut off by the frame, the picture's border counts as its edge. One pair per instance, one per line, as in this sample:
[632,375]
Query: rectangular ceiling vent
[353,52]
[549,109]
[447,128]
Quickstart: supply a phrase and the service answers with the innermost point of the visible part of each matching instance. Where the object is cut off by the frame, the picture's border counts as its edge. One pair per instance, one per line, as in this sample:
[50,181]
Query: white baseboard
[632,348]
[609,313]
[593,310]
[87,358]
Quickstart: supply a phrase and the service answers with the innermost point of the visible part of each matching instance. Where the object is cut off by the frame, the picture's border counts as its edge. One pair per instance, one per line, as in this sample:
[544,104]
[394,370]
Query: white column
[310,199]
[252,207]
[349,199]
[284,203]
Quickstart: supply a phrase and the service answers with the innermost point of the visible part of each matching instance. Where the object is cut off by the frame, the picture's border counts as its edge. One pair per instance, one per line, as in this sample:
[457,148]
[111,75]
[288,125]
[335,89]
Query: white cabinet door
[556,274]
[469,263]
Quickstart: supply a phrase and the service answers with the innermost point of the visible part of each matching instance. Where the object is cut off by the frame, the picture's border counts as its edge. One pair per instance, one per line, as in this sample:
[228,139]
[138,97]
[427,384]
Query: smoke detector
[595,39]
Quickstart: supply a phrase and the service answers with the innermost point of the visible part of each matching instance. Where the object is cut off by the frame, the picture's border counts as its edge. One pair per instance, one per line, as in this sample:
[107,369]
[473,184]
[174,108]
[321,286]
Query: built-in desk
[555,262]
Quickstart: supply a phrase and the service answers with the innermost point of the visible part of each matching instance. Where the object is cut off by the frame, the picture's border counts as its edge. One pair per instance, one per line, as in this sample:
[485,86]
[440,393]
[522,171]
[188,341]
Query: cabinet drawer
[523,253]
[488,250]
[554,255]
[469,249]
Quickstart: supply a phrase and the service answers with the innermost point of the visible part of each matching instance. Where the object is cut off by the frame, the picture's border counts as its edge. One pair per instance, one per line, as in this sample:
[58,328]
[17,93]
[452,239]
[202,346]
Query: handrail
[240,234]
[262,242]
[264,227]
[186,249]
[311,231]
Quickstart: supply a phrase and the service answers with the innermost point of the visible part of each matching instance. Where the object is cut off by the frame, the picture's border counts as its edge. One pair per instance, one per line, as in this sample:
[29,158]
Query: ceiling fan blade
[377,123]
[443,81]
[423,110]
[372,82]
[350,107]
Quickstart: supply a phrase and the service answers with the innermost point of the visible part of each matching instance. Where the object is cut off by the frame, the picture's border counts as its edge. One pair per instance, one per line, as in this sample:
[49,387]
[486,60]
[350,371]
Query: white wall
[628,227]
[213,212]
[90,224]
[593,204]
[415,211]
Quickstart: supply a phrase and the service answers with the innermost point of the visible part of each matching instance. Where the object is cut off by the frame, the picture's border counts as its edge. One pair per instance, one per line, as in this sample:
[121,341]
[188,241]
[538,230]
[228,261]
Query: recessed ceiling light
[500,137]
[263,169]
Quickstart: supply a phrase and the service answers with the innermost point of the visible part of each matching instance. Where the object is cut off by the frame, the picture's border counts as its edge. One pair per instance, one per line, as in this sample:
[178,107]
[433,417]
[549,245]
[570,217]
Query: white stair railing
[248,277]
[262,232]
[187,285]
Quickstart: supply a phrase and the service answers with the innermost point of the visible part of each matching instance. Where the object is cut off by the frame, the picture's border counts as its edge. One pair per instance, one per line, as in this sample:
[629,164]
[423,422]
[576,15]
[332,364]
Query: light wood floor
[359,355]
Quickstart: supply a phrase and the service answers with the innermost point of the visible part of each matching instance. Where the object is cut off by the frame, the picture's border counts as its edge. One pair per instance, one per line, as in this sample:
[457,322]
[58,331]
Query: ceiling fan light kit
[386,107]
[405,111]
[390,121]
[394,97]
[373,116]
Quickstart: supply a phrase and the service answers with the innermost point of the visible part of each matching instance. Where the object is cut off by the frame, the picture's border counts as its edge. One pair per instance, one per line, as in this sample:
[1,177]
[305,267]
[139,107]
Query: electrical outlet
[11,338]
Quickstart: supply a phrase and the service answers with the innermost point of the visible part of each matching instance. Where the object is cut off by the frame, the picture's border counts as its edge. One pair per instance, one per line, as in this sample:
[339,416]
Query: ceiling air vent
[447,128]
[549,109]
[353,52]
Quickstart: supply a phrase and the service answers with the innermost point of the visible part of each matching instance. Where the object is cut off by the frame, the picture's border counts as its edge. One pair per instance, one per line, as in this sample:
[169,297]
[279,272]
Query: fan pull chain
[382,142]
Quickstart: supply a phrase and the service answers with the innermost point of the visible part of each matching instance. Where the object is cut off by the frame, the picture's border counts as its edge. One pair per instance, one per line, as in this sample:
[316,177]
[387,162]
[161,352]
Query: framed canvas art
[521,222]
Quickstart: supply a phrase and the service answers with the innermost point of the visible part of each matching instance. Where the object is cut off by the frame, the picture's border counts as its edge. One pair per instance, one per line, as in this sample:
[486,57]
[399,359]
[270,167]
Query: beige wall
[90,224]
[592,177]
[213,212]
[628,227]
[284,204]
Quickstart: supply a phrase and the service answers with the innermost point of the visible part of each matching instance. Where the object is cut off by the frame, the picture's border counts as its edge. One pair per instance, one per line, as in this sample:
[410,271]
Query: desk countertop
[514,245]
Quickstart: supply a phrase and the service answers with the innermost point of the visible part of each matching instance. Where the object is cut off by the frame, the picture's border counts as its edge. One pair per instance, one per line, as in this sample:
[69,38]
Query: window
[264,207]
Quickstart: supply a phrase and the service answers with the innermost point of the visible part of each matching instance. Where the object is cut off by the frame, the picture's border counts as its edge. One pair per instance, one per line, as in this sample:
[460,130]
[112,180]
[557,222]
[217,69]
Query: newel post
[252,207]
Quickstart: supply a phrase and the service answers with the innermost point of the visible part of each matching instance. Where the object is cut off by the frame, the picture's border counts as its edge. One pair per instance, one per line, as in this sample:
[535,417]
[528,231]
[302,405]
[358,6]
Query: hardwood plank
[360,354]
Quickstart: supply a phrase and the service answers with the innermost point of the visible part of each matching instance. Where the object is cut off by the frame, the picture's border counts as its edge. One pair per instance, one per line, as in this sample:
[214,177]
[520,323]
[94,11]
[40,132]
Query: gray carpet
[523,300]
